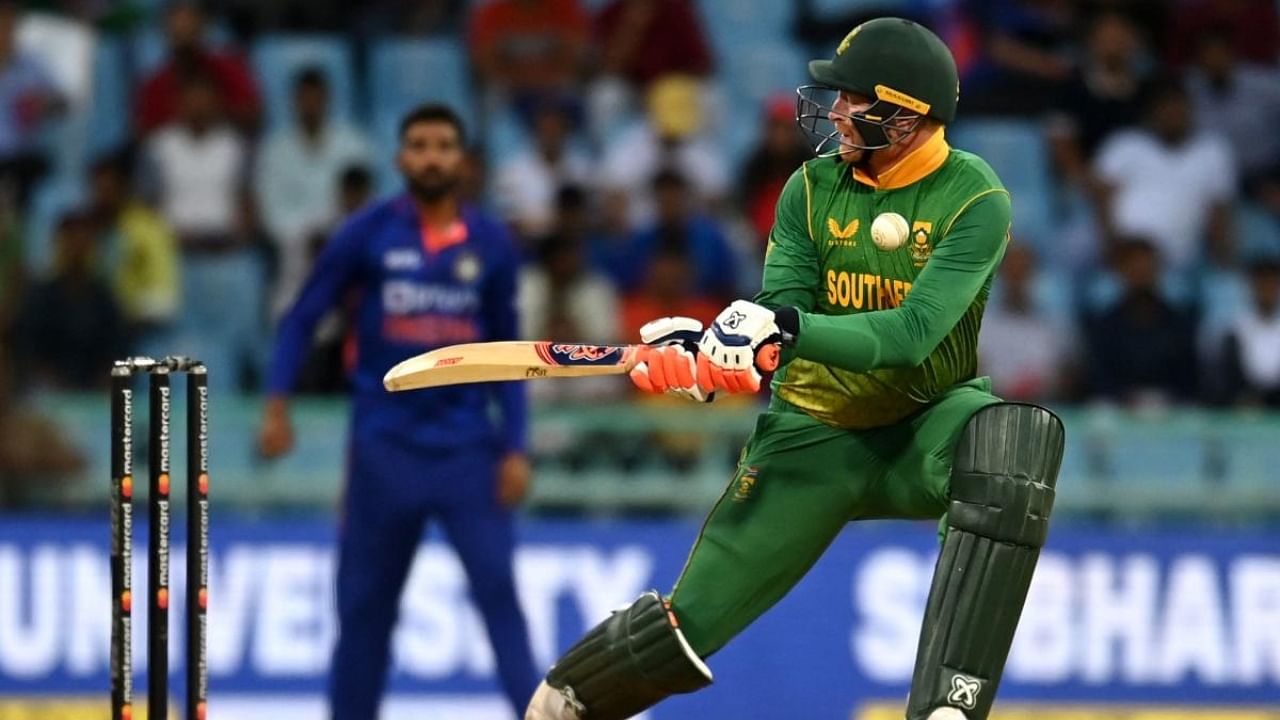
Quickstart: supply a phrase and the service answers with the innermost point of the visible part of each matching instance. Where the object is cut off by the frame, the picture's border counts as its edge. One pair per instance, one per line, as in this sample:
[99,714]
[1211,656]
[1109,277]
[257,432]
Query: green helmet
[897,61]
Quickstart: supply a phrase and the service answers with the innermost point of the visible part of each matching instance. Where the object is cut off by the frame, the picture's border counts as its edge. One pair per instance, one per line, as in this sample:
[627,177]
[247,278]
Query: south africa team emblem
[921,248]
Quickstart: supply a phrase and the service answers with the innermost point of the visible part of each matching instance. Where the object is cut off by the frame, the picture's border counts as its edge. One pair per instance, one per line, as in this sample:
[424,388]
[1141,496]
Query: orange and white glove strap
[741,343]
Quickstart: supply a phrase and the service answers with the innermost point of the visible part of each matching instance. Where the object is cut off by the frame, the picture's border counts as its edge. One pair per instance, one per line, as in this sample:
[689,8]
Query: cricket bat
[508,360]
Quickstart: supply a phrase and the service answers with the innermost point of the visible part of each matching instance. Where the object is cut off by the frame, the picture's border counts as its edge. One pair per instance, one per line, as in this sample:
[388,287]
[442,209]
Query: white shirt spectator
[591,301]
[1259,346]
[631,163]
[1026,354]
[296,185]
[525,187]
[1246,112]
[1165,193]
[592,307]
[296,179]
[199,178]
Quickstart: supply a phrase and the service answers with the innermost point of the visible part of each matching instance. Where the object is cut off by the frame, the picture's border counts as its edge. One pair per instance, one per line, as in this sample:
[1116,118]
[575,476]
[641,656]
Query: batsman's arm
[791,267]
[791,275]
[904,336]
[502,323]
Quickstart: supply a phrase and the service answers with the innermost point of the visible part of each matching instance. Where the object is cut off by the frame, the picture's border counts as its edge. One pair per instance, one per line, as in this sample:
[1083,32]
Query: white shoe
[549,704]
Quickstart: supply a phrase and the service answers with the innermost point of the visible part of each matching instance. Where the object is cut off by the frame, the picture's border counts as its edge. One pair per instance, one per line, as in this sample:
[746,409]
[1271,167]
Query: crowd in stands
[638,166]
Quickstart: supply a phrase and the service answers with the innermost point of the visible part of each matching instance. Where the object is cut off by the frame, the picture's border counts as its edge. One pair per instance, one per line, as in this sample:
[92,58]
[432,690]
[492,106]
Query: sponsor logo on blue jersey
[409,297]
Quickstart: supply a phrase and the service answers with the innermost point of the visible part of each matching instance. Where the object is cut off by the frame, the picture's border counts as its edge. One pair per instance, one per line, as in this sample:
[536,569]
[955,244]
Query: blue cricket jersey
[413,296]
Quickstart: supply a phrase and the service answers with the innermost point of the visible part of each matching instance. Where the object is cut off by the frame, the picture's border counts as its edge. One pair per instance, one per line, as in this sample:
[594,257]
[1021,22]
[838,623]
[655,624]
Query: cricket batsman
[424,271]
[876,275]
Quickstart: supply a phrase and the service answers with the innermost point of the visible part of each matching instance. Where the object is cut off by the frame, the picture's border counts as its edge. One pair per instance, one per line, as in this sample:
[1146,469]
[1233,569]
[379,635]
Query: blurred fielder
[876,275]
[424,271]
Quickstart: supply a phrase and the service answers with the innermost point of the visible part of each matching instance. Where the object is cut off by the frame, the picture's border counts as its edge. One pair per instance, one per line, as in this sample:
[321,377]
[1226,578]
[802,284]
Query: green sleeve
[904,336]
[791,275]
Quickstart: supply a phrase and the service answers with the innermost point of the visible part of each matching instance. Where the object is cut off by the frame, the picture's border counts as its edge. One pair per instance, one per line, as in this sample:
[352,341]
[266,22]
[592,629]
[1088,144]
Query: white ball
[946,713]
[889,231]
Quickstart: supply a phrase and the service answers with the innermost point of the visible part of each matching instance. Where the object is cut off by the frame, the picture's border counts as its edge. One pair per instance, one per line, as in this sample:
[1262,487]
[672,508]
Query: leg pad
[1002,489]
[628,663]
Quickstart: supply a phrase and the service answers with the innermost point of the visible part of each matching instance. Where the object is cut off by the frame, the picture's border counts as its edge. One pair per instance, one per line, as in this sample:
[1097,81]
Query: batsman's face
[431,159]
[847,104]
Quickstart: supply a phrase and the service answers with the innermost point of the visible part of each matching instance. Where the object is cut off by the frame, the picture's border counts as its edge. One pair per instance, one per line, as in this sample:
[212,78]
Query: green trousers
[797,484]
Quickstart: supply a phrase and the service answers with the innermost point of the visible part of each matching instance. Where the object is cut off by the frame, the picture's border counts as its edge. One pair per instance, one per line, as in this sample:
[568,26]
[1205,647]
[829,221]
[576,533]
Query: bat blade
[507,360]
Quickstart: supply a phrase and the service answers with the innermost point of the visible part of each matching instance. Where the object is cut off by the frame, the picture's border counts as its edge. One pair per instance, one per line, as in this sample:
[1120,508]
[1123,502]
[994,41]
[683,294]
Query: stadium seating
[109,107]
[1016,151]
[1257,232]
[772,67]
[735,26]
[405,72]
[277,60]
[49,201]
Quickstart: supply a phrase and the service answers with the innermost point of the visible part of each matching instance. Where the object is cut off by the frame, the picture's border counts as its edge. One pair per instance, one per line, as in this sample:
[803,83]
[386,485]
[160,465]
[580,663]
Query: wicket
[159,373]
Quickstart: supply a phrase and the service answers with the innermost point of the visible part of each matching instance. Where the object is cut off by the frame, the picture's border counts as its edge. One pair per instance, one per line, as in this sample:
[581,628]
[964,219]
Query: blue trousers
[392,492]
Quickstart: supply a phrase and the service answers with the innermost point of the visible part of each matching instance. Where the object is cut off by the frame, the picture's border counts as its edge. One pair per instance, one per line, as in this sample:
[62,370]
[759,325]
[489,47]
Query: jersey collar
[914,166]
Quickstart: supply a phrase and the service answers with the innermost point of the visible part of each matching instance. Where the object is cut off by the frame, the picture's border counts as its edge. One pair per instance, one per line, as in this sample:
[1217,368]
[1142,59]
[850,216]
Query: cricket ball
[889,231]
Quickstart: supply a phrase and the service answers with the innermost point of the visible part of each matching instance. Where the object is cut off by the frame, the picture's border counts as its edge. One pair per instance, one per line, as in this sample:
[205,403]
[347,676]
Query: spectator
[821,25]
[159,99]
[780,153]
[1168,182]
[526,185]
[143,252]
[12,268]
[680,228]
[1141,349]
[561,298]
[642,41]
[28,98]
[1239,100]
[1021,347]
[1252,27]
[475,176]
[1102,95]
[296,179]
[669,288]
[68,329]
[355,190]
[1024,55]
[1252,346]
[198,169]
[529,50]
[611,236]
[332,353]
[671,138]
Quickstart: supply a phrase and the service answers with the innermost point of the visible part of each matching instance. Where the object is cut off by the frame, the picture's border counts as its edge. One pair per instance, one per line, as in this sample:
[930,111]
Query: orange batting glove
[666,362]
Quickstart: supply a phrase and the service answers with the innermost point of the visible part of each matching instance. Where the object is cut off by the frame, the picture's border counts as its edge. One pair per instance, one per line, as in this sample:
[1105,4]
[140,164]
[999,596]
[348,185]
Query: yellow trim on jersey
[913,166]
[808,201]
[969,202]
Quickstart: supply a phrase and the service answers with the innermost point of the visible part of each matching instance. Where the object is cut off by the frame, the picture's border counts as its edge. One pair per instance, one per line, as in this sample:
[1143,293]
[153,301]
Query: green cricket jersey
[884,333]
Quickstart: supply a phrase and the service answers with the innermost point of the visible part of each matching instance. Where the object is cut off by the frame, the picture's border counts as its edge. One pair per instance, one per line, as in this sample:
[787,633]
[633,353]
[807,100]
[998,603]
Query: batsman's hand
[667,361]
[513,479]
[743,342]
[275,438]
